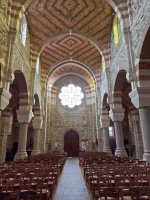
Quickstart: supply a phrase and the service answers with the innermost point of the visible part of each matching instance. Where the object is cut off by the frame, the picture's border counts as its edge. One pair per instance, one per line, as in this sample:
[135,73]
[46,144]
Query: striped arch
[104,111]
[37,107]
[142,63]
[117,90]
[24,97]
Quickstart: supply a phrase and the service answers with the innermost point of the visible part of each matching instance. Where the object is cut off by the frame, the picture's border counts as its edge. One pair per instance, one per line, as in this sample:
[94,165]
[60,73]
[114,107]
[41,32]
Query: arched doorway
[71,143]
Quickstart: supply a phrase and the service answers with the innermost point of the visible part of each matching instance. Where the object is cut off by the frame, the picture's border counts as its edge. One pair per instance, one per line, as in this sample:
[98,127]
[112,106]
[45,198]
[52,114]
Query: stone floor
[71,185]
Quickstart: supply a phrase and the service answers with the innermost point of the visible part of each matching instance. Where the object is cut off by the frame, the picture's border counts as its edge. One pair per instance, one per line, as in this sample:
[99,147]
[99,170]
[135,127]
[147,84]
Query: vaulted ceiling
[49,19]
[71,47]
[70,69]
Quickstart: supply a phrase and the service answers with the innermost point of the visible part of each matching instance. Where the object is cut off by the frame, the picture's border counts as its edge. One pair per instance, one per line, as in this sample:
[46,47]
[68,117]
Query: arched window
[37,65]
[103,65]
[116,30]
[23,34]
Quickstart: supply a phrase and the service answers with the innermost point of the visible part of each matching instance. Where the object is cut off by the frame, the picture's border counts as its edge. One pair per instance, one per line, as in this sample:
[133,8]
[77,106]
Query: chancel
[74,98]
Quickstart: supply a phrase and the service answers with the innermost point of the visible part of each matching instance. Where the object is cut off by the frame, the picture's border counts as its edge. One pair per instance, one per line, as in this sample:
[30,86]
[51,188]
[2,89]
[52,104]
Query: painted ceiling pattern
[91,18]
[71,47]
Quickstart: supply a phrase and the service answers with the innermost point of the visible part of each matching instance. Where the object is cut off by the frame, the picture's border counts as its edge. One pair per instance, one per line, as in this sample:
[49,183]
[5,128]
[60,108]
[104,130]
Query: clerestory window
[23,34]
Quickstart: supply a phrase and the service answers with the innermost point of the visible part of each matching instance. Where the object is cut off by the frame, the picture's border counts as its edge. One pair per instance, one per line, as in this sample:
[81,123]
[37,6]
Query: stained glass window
[116,30]
[71,96]
[111,131]
[23,34]
[103,65]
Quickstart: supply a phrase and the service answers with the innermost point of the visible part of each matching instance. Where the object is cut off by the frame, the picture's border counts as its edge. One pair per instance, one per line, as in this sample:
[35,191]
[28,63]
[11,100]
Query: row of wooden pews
[35,177]
[112,177]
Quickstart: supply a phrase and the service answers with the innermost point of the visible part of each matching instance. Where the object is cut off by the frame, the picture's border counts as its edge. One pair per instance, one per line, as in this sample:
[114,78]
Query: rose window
[71,96]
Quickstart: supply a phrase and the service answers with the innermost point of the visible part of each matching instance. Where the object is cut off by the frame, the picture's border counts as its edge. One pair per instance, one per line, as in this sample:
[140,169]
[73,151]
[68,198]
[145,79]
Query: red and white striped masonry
[107,57]
[104,113]
[89,94]
[117,100]
[53,95]
[97,80]
[5,116]
[24,101]
[134,113]
[16,9]
[37,112]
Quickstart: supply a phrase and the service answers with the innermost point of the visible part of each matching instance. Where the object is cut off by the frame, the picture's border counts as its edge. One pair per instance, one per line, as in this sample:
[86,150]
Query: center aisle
[71,185]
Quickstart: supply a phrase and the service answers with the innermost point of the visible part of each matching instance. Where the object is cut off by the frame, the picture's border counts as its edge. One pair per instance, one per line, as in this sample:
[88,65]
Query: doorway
[71,143]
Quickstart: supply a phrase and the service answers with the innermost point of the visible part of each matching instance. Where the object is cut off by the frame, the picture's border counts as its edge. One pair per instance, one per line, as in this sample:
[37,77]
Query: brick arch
[70,77]
[121,89]
[72,67]
[120,80]
[36,107]
[104,111]
[76,62]
[104,99]
[143,65]
[143,38]
[22,85]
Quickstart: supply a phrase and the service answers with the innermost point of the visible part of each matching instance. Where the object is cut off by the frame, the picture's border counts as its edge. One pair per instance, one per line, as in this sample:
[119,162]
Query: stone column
[139,149]
[117,116]
[104,123]
[36,149]
[100,141]
[145,126]
[4,126]
[24,117]
[106,142]
[37,125]
[140,98]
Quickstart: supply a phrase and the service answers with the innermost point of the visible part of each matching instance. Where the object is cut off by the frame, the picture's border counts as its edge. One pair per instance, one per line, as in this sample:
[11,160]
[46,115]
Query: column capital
[9,76]
[104,123]
[37,124]
[4,98]
[140,97]
[117,115]
[24,116]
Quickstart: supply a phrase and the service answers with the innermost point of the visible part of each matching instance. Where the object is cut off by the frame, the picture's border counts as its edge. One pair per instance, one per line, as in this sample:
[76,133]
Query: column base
[43,151]
[121,152]
[100,149]
[107,150]
[35,152]
[146,157]
[20,155]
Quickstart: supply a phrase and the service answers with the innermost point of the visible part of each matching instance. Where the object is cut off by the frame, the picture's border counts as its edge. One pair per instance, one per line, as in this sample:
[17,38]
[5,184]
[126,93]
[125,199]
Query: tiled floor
[71,185]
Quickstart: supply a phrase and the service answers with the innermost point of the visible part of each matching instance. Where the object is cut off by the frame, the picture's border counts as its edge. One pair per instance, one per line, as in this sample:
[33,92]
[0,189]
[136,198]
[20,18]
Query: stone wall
[61,120]
[3,36]
[3,7]
[136,7]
